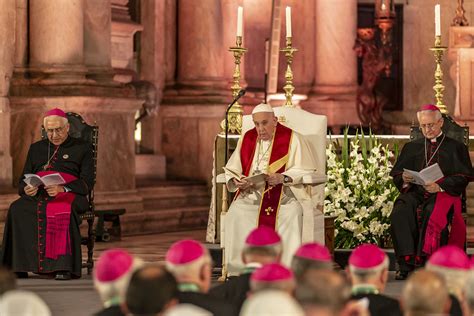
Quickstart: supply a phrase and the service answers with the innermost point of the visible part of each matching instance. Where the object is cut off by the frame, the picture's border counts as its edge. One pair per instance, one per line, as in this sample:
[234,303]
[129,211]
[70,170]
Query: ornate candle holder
[460,18]
[289,87]
[438,51]
[235,112]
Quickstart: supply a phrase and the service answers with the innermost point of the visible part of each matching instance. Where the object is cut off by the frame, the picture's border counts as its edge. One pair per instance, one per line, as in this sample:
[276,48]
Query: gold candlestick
[289,87]
[438,51]
[235,112]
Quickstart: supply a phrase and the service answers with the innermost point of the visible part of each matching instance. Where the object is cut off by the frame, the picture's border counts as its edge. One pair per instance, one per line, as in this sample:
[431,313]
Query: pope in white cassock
[279,202]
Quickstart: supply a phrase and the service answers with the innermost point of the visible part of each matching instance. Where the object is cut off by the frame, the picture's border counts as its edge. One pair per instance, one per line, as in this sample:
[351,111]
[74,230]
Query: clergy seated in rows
[190,263]
[41,232]
[262,246]
[453,264]
[368,272]
[425,293]
[284,158]
[422,214]
[310,256]
[112,273]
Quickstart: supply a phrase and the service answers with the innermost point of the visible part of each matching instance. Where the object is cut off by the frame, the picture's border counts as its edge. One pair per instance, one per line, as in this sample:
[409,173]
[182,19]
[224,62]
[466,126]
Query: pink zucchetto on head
[314,251]
[112,265]
[55,112]
[272,272]
[428,107]
[185,251]
[451,257]
[262,236]
[366,256]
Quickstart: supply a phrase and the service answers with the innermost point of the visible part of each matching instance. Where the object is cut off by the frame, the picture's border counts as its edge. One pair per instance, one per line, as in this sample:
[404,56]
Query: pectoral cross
[268,210]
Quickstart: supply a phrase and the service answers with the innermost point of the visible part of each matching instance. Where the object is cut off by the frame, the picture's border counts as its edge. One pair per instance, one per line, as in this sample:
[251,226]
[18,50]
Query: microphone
[237,97]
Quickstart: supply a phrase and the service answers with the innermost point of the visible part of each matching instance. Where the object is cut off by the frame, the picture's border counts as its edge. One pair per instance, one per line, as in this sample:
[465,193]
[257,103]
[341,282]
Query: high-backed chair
[78,128]
[314,129]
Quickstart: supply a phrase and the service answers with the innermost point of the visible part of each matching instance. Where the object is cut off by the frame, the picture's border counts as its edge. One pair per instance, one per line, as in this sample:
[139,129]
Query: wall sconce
[384,20]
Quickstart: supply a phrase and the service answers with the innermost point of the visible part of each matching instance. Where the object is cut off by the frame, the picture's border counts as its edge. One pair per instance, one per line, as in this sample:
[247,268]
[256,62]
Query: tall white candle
[240,14]
[267,55]
[288,21]
[437,20]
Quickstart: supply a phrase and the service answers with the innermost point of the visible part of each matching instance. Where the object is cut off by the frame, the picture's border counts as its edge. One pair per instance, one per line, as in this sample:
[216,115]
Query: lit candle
[288,21]
[437,20]
[267,53]
[383,6]
[240,14]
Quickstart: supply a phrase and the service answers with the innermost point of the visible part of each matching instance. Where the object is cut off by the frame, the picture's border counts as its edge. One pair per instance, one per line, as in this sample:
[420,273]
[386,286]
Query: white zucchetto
[262,107]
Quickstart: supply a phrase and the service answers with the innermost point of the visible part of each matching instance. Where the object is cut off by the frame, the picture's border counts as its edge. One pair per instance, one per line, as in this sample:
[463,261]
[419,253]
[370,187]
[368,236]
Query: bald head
[425,293]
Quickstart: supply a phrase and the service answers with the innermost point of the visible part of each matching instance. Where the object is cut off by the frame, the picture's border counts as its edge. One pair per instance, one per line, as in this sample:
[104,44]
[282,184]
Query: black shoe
[21,275]
[63,275]
[401,275]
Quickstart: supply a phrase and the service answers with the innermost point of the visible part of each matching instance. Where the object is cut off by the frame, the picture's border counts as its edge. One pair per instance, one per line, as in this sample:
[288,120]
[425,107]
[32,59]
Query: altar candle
[437,20]
[240,13]
[288,21]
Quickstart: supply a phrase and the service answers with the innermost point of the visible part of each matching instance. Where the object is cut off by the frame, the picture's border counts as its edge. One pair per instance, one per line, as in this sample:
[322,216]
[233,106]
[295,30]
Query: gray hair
[363,275]
[64,120]
[438,114]
[271,250]
[300,265]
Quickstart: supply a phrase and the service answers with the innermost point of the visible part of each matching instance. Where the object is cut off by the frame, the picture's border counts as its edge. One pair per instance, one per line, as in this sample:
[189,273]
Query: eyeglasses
[428,126]
[59,130]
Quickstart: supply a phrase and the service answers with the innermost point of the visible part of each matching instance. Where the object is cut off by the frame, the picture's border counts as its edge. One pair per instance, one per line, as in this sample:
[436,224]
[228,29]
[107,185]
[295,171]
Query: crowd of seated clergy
[311,286]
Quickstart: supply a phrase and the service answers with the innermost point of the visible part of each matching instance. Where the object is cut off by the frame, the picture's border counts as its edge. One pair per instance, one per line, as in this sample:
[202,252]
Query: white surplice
[295,206]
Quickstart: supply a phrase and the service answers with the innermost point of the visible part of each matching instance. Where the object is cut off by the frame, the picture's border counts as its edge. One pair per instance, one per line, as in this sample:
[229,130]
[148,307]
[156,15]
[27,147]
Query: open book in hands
[257,179]
[47,180]
[428,175]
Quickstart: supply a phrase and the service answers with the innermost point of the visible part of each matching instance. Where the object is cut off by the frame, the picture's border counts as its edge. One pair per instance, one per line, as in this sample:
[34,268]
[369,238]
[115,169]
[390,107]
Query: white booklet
[50,179]
[430,174]
[255,179]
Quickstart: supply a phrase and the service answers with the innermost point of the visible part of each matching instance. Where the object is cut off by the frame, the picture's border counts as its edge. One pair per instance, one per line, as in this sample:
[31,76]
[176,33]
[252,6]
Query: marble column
[57,38]
[200,43]
[7,58]
[97,39]
[335,84]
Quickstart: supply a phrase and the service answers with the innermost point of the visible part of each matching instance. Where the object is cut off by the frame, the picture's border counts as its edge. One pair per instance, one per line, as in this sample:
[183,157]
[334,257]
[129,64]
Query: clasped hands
[52,190]
[431,187]
[272,179]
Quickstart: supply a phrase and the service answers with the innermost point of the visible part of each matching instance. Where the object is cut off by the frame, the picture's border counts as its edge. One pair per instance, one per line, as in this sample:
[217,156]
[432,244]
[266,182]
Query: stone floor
[77,297]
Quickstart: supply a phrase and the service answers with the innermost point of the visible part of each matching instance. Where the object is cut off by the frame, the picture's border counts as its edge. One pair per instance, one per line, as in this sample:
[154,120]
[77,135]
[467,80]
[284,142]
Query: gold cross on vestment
[268,210]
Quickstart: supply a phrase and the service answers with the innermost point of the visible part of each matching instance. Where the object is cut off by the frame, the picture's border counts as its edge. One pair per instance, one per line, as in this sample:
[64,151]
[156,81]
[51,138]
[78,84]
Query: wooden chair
[78,128]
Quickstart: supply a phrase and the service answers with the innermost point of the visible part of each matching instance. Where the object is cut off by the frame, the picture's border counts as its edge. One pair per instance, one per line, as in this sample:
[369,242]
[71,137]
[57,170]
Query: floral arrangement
[359,191]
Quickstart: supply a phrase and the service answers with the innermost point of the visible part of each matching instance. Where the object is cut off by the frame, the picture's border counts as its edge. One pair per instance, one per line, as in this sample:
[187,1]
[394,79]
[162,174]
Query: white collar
[433,140]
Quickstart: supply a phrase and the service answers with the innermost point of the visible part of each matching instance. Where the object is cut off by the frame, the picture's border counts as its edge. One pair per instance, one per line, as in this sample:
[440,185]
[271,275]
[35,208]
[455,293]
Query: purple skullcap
[55,112]
[112,265]
[366,256]
[262,236]
[450,257]
[314,251]
[184,251]
[272,272]
[429,107]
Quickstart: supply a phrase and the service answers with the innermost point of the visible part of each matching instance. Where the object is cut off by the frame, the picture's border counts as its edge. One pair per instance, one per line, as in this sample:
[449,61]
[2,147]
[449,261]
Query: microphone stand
[241,93]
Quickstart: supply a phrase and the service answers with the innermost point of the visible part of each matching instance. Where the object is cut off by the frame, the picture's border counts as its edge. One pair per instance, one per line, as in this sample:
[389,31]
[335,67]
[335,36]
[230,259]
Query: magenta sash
[58,218]
[438,221]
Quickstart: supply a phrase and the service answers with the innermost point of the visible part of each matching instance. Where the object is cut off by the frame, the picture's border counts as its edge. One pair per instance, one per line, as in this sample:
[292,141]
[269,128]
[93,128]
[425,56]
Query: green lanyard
[188,287]
[364,289]
[113,301]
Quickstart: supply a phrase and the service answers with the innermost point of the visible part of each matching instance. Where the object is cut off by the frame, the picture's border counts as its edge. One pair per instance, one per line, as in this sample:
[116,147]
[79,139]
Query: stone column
[7,58]
[335,85]
[57,38]
[97,38]
[200,61]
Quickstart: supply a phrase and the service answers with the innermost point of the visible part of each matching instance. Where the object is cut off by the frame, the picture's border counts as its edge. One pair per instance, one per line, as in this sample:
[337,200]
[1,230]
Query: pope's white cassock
[295,203]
